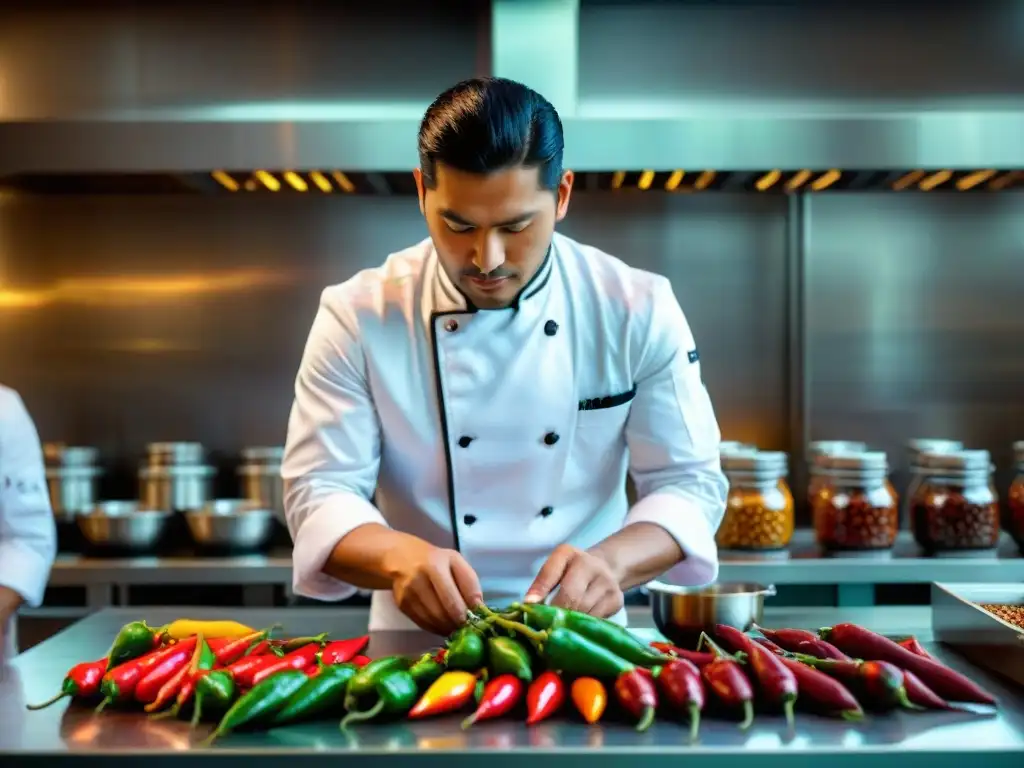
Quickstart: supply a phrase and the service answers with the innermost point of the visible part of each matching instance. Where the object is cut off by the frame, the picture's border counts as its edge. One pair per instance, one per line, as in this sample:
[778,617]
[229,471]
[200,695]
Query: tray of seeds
[984,623]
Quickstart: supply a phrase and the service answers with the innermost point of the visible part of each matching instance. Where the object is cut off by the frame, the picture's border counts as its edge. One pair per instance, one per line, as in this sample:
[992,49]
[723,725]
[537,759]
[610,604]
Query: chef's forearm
[365,557]
[638,553]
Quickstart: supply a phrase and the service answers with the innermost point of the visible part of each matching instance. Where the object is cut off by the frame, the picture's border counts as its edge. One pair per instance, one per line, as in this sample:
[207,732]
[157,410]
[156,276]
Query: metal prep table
[62,734]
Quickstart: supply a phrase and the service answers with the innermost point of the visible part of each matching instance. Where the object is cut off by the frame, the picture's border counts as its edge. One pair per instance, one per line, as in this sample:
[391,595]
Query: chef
[28,535]
[465,414]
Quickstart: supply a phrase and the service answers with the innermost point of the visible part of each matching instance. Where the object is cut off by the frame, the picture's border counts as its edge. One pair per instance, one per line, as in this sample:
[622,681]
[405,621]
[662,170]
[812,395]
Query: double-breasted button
[469,519]
[546,511]
[550,438]
[451,324]
[464,441]
[550,327]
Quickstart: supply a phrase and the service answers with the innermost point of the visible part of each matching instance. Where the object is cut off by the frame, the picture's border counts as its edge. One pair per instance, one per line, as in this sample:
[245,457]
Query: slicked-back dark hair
[491,124]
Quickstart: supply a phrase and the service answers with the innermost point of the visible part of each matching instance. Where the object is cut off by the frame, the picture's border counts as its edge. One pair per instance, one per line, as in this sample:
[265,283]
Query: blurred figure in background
[28,534]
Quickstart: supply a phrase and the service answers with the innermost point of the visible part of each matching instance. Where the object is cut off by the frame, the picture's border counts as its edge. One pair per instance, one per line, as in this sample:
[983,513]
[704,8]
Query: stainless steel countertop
[804,566]
[61,731]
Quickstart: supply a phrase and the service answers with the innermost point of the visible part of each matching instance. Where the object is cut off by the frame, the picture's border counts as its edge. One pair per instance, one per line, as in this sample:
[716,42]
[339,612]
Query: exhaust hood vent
[336,182]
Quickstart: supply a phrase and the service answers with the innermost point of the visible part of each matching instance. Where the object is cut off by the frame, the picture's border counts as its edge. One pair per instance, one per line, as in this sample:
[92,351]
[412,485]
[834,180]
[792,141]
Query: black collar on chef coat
[533,287]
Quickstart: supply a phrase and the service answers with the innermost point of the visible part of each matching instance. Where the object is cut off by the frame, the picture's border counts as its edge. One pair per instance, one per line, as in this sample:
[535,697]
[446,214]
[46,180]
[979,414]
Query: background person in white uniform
[488,388]
[28,533]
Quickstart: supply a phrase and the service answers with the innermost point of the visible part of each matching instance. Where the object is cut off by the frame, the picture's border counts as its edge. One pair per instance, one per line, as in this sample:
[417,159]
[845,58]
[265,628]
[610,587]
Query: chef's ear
[564,191]
[420,191]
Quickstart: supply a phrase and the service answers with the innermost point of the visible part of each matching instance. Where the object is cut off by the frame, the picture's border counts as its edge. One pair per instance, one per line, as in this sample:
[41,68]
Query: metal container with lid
[855,509]
[955,507]
[260,477]
[823,448]
[759,510]
[72,477]
[62,455]
[176,488]
[172,454]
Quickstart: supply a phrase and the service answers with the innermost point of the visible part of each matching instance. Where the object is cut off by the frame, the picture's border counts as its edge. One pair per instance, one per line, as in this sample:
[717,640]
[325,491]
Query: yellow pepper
[451,691]
[183,628]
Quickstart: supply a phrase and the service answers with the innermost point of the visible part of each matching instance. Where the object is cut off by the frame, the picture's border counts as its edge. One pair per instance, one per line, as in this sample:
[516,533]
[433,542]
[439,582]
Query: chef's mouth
[488,283]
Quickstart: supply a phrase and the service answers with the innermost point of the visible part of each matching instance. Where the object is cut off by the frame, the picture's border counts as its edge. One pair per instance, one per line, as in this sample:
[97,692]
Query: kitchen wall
[125,320]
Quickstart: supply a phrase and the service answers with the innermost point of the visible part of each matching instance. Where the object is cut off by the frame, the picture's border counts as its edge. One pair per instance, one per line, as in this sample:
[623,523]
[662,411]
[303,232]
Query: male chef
[28,534]
[465,413]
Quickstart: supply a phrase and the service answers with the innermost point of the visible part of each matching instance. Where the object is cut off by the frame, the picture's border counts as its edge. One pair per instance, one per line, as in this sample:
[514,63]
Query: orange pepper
[590,698]
[449,692]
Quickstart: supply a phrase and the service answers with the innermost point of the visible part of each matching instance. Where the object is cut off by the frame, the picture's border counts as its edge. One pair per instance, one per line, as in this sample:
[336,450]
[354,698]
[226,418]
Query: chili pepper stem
[694,721]
[646,719]
[904,701]
[357,716]
[102,705]
[851,715]
[48,702]
[534,636]
[748,715]
[197,710]
[172,712]
[787,707]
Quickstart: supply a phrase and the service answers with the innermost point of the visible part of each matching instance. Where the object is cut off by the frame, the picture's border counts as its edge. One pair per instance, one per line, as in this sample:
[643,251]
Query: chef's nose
[490,254]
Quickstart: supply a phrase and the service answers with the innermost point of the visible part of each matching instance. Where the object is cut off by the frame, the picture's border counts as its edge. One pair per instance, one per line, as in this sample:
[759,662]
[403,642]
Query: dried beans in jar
[955,507]
[915,449]
[1015,520]
[825,448]
[855,508]
[759,510]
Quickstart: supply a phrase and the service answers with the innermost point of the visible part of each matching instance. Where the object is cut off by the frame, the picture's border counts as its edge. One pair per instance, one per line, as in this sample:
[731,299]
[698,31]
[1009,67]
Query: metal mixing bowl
[124,525]
[682,613]
[232,523]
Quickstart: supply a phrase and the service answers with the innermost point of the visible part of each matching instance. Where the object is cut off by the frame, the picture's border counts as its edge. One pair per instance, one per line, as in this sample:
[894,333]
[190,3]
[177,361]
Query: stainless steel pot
[123,525]
[233,523]
[260,478]
[174,454]
[179,488]
[72,489]
[682,613]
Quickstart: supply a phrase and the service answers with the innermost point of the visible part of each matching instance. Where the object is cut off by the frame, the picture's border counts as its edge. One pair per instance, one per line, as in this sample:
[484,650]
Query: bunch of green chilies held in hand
[532,656]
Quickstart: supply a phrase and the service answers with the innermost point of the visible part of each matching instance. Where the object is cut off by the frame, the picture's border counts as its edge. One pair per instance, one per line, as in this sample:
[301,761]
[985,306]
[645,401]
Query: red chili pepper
[699,658]
[922,695]
[342,651]
[245,668]
[314,669]
[149,686]
[776,681]
[119,683]
[831,696]
[862,643]
[544,697]
[912,645]
[637,695]
[880,683]
[726,679]
[500,695]
[361,661]
[299,659]
[802,641]
[82,681]
[679,683]
[262,648]
[236,647]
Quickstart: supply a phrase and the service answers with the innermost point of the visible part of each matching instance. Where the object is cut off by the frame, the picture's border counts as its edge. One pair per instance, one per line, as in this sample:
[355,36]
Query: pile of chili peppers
[531,661]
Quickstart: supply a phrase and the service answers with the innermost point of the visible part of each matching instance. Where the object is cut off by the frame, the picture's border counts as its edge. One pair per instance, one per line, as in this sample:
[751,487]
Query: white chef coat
[502,433]
[28,534]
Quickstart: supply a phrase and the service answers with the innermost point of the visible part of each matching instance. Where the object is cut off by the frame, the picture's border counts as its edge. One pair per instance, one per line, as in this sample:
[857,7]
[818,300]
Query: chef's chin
[497,299]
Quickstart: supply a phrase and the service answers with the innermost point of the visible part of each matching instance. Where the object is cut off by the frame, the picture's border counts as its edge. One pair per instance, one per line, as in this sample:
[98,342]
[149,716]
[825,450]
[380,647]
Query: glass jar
[825,448]
[855,508]
[1015,519]
[759,510]
[955,507]
[914,450]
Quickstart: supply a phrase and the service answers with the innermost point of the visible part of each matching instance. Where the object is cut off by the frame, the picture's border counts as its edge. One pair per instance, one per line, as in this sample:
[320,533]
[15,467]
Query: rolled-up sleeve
[332,452]
[28,532]
[674,441]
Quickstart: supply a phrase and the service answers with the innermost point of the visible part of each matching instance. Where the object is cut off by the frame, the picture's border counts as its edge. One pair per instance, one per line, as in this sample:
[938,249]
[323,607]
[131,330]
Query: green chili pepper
[262,701]
[465,649]
[615,638]
[319,694]
[205,662]
[363,682]
[216,691]
[396,691]
[133,640]
[478,691]
[570,652]
[426,670]
[506,655]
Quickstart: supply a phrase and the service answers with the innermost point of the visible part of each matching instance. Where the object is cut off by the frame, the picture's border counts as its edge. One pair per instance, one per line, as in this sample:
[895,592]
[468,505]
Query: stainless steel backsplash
[125,320]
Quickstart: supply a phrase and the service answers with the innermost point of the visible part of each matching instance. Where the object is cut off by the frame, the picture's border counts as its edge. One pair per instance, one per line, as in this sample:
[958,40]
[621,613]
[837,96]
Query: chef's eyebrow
[451,215]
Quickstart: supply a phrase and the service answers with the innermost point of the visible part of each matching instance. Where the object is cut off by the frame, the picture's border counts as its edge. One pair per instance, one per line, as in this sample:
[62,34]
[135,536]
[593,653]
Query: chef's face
[492,231]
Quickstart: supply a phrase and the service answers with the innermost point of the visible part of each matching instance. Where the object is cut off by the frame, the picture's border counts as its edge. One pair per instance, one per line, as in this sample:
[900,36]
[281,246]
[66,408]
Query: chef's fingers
[609,603]
[468,583]
[432,616]
[446,591]
[550,575]
[572,591]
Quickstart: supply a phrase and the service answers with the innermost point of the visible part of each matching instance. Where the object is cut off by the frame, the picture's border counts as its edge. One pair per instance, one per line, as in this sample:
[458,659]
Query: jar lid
[823,447]
[755,461]
[1018,452]
[180,471]
[162,454]
[864,461]
[960,461]
[929,445]
[263,453]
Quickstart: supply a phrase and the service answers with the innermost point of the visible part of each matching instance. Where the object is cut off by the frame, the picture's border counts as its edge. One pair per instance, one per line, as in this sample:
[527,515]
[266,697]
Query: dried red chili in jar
[826,448]
[1015,520]
[956,506]
[915,448]
[855,508]
[759,509]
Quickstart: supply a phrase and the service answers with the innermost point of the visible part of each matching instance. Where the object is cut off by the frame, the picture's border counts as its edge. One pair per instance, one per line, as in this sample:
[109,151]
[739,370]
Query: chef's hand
[435,587]
[585,582]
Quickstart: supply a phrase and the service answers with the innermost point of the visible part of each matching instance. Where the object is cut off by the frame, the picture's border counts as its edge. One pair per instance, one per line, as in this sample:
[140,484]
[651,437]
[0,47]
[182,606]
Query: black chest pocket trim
[608,401]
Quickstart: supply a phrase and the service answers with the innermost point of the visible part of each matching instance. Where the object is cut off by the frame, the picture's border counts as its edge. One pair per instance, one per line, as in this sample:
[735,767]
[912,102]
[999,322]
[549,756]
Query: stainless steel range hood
[121,123]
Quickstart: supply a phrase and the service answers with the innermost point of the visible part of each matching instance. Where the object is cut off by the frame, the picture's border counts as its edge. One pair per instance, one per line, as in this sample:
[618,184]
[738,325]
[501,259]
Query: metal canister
[260,478]
[72,476]
[173,454]
[176,488]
